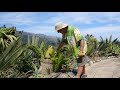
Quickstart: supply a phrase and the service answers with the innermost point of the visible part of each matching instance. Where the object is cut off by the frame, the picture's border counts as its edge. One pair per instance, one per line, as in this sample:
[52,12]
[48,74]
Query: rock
[53,75]
[63,75]
[87,65]
[31,77]
[46,67]
[38,76]
[91,62]
[97,60]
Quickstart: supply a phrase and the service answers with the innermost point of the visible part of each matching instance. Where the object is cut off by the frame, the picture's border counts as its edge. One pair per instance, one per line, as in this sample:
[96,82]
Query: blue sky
[97,23]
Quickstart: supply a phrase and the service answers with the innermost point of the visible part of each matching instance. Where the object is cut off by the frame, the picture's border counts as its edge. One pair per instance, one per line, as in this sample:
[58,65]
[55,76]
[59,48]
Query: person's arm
[82,45]
[60,45]
[81,52]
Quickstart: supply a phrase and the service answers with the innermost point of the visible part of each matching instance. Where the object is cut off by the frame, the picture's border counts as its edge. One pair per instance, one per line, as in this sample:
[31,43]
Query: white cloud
[102,29]
[27,18]
[85,17]
[40,29]
[17,18]
[105,31]
[39,24]
[69,17]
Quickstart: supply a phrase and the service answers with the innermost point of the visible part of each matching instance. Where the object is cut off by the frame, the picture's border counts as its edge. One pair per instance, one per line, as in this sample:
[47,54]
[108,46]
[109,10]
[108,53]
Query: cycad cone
[49,51]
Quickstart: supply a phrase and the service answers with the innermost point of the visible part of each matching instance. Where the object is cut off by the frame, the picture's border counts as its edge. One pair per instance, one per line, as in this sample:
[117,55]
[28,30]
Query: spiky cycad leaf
[11,54]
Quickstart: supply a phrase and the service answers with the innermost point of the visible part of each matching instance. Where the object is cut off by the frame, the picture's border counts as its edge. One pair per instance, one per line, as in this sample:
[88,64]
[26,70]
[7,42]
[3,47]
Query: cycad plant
[93,46]
[112,50]
[11,54]
[104,47]
[38,48]
[24,63]
[37,72]
[110,47]
[6,36]
[58,60]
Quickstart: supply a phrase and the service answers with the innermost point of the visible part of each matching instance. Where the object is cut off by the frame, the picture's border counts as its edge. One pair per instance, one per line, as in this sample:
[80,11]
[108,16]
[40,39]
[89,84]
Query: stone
[102,74]
[87,65]
[97,60]
[108,68]
[53,75]
[63,75]
[46,67]
[91,62]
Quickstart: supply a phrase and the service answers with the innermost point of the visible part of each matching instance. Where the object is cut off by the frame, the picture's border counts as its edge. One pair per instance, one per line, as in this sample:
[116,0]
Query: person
[73,37]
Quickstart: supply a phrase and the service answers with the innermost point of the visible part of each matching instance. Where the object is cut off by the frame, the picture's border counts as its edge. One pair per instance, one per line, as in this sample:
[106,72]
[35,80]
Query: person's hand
[81,53]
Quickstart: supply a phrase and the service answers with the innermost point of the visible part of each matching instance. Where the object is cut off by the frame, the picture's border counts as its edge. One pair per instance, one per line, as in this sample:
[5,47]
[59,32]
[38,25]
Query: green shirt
[72,38]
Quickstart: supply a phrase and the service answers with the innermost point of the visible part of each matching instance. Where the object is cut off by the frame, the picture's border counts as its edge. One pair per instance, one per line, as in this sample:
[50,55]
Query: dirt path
[109,68]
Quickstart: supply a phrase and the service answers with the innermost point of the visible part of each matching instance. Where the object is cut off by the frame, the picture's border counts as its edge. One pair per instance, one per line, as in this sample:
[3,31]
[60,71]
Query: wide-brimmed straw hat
[60,25]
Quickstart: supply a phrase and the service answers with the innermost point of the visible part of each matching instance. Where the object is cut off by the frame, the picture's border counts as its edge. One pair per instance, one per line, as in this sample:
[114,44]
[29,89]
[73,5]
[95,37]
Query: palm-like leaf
[6,39]
[33,39]
[35,50]
[110,39]
[11,54]
[28,40]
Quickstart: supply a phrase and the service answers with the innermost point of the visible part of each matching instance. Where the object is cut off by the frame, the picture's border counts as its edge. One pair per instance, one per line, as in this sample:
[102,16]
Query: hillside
[49,40]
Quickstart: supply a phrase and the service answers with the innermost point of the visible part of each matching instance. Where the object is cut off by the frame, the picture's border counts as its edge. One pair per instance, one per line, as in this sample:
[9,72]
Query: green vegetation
[59,60]
[107,47]
[6,36]
[21,54]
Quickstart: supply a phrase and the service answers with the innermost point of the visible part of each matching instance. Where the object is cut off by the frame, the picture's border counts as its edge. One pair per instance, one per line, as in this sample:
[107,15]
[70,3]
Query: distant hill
[49,40]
